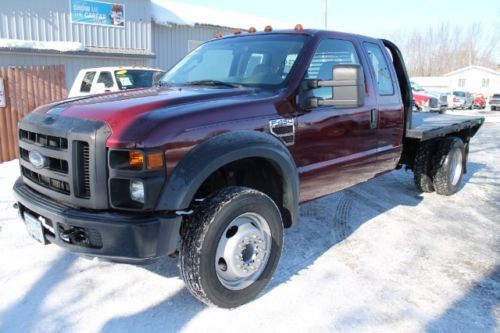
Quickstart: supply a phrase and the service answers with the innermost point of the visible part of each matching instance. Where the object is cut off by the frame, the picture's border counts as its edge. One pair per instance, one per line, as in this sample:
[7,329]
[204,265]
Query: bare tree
[443,48]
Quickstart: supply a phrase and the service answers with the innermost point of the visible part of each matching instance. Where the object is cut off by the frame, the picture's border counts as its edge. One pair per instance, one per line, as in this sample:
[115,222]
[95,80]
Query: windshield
[136,78]
[496,96]
[459,93]
[264,61]
[415,86]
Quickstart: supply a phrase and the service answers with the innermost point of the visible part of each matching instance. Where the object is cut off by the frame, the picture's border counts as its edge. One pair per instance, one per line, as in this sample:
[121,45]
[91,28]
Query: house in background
[473,79]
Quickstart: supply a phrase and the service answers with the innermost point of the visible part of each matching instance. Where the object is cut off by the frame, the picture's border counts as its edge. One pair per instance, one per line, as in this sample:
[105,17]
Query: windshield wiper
[213,83]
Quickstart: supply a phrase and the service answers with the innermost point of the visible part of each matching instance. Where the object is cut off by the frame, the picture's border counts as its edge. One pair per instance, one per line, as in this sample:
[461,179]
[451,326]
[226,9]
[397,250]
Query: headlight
[137,191]
[137,160]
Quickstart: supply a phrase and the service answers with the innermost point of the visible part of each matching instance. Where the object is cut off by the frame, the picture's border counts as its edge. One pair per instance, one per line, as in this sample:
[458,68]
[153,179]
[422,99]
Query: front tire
[231,247]
[449,165]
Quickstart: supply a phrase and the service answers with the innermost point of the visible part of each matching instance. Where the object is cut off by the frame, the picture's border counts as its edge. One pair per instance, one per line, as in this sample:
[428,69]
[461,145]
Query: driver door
[335,147]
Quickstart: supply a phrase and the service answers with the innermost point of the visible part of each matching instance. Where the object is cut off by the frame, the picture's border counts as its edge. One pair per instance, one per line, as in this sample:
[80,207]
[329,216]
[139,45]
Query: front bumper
[127,238]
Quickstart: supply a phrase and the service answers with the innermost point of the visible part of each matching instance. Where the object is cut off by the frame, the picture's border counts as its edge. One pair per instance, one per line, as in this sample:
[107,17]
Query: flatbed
[427,126]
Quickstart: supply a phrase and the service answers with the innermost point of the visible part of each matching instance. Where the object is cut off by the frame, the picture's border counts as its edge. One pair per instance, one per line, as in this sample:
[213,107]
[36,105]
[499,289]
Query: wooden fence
[25,89]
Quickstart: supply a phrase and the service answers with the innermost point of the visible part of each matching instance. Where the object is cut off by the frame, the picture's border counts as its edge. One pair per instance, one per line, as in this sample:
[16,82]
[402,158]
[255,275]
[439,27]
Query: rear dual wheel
[439,167]
[449,161]
[231,247]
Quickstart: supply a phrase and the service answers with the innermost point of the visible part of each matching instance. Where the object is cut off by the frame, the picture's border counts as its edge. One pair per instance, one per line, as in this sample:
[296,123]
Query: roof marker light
[268,28]
[298,27]
[237,31]
[218,34]
[252,30]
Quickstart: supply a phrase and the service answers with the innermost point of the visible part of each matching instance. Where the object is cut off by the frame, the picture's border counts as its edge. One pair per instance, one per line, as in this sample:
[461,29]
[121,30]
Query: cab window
[380,69]
[106,78]
[329,53]
[87,82]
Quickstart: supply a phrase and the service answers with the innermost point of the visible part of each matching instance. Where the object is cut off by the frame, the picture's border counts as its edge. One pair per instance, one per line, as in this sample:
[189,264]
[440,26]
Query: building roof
[167,12]
[480,68]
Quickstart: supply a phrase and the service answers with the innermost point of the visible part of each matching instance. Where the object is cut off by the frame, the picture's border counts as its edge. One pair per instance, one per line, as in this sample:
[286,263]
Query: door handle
[373,118]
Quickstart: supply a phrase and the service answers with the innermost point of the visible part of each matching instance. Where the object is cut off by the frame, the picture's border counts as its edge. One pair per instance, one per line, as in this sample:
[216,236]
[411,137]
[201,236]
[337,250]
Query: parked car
[495,102]
[100,80]
[479,102]
[425,101]
[213,163]
[460,100]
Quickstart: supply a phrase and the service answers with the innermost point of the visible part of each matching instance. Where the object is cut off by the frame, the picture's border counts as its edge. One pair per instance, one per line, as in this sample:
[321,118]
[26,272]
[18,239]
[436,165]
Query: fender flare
[201,161]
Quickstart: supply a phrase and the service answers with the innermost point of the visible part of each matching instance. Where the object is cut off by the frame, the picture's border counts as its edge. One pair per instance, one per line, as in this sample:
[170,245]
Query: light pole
[326,14]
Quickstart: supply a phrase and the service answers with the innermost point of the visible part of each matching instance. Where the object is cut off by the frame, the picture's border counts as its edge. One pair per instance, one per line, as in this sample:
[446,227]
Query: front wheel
[449,161]
[231,247]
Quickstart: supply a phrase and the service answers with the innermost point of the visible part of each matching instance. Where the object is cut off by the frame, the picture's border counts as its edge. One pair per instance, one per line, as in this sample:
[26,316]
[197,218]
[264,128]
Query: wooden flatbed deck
[426,126]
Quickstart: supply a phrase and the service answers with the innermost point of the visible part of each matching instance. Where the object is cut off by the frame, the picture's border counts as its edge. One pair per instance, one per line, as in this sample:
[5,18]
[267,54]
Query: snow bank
[168,12]
[374,258]
[39,45]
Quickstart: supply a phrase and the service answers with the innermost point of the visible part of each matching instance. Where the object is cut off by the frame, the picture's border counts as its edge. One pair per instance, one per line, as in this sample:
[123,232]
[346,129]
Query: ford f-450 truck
[213,163]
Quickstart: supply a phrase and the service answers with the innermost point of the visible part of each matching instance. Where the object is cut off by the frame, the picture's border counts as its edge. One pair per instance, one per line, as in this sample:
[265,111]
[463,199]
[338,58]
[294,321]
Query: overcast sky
[376,18]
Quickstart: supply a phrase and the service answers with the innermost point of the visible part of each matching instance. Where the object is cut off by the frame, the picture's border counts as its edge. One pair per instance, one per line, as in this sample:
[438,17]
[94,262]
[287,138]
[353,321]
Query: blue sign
[97,12]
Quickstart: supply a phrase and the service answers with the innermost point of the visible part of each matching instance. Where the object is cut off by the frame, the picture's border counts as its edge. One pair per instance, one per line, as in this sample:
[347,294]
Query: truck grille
[74,156]
[443,99]
[54,164]
[83,169]
[45,181]
[433,102]
[43,139]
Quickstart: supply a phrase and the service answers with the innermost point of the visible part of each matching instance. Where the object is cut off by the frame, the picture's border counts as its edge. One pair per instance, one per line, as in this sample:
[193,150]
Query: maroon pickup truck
[213,163]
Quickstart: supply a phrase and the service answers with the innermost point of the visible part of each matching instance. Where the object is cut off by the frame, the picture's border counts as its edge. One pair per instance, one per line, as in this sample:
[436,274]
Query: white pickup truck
[100,80]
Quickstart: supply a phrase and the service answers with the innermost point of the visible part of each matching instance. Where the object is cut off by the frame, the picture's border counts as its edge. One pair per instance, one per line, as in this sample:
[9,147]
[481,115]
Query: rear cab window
[380,69]
[86,85]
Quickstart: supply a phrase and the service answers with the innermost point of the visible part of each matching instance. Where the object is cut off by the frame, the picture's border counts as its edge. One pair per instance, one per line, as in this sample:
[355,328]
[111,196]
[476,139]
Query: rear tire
[449,165]
[231,247]
[422,167]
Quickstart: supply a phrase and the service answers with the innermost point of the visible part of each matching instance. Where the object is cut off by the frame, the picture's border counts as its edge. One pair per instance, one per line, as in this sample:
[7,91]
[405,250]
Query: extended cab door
[390,110]
[335,147]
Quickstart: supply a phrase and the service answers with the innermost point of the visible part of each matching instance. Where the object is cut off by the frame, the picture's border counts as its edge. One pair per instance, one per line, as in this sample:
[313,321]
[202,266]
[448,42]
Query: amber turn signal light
[135,159]
[268,28]
[155,160]
[252,30]
[298,27]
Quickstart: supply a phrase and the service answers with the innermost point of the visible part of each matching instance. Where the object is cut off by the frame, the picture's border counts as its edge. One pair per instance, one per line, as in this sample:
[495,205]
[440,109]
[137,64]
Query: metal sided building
[95,33]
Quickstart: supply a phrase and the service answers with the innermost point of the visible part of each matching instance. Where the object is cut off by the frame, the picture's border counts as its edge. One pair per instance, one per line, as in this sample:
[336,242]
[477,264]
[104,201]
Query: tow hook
[74,235]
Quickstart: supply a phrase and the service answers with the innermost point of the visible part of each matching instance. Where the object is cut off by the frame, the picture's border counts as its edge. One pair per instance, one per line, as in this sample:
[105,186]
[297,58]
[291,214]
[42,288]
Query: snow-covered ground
[374,258]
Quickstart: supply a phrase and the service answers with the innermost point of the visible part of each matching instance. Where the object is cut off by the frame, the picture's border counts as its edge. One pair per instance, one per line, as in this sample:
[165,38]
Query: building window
[485,83]
[461,83]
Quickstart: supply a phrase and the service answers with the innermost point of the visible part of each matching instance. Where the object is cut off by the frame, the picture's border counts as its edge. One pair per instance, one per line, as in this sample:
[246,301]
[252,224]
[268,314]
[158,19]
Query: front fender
[207,157]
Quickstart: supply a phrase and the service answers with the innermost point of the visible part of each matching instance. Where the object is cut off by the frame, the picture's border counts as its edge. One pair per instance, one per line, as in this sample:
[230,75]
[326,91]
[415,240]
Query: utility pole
[326,14]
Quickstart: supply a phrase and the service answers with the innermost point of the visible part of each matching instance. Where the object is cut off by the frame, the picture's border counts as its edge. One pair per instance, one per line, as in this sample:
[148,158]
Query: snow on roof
[168,12]
[38,45]
[481,68]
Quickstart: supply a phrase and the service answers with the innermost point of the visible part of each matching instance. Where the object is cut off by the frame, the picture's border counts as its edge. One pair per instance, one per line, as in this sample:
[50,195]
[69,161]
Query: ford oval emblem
[37,159]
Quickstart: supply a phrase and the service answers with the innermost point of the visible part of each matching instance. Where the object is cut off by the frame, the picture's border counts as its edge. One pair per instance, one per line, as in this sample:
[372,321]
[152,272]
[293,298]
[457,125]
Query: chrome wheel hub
[243,251]
[456,165]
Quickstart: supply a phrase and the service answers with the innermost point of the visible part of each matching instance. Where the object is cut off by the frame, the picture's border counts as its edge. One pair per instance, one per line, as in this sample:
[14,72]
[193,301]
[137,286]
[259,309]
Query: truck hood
[131,115]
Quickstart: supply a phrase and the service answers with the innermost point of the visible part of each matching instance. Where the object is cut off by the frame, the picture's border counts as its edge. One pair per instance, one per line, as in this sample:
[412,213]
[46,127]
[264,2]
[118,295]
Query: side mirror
[348,88]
